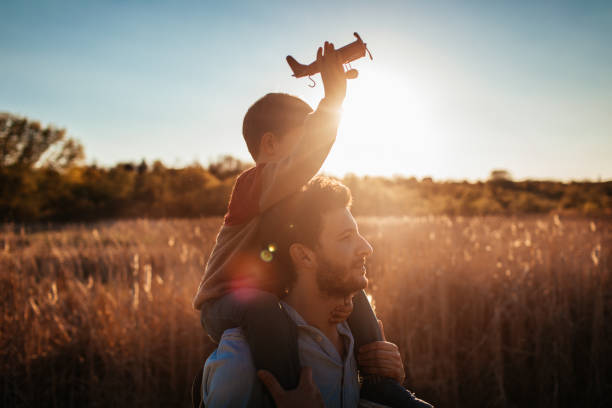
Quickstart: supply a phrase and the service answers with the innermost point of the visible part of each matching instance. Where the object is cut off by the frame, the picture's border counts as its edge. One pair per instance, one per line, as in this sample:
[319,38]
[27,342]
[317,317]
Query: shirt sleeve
[282,178]
[228,363]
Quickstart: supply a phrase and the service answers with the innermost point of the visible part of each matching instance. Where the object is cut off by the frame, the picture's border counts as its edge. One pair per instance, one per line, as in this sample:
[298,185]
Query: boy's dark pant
[270,332]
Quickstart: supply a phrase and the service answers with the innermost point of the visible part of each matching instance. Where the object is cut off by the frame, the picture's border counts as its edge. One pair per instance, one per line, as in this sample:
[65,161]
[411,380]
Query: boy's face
[288,142]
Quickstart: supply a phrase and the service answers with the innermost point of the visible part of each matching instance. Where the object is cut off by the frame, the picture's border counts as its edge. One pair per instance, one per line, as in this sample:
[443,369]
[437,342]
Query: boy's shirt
[233,262]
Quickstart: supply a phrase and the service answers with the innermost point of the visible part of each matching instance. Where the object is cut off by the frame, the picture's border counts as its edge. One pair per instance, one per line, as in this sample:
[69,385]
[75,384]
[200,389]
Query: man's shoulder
[228,363]
[231,350]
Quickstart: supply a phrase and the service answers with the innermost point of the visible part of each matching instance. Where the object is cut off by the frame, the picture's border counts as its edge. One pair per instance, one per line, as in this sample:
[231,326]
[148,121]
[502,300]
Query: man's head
[272,125]
[317,238]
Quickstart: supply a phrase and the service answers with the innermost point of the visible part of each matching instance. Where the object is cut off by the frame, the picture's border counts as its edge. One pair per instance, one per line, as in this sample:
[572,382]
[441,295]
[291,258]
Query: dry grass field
[488,312]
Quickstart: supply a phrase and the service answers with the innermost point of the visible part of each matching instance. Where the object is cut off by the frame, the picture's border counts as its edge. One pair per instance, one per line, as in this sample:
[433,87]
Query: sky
[455,89]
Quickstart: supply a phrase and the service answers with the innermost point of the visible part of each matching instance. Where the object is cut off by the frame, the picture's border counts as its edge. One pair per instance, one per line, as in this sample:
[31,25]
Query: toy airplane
[348,53]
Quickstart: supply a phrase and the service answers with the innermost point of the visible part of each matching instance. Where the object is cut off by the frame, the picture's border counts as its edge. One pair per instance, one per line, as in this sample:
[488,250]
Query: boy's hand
[342,312]
[332,73]
[382,358]
[306,395]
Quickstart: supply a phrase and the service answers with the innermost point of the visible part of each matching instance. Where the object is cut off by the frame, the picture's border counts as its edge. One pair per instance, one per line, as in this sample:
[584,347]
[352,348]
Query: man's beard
[338,281]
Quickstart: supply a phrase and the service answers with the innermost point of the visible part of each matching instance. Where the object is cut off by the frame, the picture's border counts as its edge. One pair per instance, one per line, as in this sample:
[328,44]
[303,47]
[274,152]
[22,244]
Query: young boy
[289,145]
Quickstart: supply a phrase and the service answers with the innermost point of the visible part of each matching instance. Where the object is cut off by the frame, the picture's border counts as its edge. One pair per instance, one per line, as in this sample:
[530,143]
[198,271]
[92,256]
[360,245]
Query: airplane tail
[296,67]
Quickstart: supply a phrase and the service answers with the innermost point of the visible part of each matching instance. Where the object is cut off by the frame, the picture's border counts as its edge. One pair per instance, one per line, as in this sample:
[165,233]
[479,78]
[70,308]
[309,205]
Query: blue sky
[455,89]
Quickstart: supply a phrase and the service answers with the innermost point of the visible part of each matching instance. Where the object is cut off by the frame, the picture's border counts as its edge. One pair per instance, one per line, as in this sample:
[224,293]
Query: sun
[384,127]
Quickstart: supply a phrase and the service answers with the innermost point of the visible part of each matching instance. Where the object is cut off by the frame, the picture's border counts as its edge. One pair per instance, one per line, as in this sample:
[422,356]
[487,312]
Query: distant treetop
[26,144]
[500,175]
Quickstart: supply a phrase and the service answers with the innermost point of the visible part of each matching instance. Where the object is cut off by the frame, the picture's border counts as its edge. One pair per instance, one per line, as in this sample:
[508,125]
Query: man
[313,240]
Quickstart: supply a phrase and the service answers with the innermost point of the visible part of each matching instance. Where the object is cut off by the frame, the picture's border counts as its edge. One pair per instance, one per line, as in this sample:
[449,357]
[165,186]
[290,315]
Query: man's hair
[275,112]
[298,219]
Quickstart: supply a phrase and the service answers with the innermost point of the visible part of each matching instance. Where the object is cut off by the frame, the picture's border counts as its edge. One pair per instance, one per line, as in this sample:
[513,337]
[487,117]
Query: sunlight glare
[386,126]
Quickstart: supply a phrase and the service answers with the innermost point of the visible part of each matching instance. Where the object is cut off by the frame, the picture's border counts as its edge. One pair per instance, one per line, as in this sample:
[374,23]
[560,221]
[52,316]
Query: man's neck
[316,310]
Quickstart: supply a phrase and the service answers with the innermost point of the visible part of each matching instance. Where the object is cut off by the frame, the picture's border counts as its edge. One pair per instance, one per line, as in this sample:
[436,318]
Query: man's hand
[306,395]
[382,358]
[332,73]
[343,311]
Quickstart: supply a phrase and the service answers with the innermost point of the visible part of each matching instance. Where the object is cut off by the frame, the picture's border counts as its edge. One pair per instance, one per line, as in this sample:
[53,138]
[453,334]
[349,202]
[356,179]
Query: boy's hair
[298,219]
[276,113]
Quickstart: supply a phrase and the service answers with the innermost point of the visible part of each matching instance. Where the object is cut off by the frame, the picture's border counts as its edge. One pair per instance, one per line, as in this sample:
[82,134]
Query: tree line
[43,178]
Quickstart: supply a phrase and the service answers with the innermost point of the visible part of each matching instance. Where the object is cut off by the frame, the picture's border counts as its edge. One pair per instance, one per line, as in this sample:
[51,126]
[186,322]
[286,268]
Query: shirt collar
[343,327]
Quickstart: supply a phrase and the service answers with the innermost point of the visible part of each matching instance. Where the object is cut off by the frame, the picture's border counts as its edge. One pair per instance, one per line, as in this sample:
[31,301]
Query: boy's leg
[365,329]
[363,322]
[219,315]
[269,331]
[272,337]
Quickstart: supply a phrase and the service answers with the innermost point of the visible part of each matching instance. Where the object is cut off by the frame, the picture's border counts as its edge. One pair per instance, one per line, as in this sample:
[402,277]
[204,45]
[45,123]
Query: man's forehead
[338,220]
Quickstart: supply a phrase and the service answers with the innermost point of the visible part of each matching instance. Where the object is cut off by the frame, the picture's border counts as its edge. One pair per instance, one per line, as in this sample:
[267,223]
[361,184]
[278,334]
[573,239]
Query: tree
[25,144]
[500,175]
[227,166]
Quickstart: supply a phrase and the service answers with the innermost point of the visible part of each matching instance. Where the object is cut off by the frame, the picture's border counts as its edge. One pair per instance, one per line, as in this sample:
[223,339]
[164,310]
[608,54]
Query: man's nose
[365,248]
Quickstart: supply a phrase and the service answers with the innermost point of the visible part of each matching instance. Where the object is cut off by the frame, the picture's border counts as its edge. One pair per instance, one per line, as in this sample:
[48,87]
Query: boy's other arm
[286,176]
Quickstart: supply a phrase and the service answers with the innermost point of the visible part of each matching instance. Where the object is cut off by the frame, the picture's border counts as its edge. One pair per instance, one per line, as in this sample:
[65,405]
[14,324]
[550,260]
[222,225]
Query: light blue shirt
[230,379]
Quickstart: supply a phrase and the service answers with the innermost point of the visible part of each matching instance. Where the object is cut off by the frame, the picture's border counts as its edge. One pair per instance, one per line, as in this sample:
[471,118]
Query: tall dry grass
[508,312]
[101,315]
[487,311]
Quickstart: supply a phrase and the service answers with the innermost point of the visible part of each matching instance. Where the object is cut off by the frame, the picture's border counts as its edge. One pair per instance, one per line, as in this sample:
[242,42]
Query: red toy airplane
[348,53]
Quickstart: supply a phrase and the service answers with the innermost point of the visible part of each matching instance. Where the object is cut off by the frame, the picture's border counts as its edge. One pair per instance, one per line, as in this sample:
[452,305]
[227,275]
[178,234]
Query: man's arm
[382,358]
[230,379]
[286,176]
[306,395]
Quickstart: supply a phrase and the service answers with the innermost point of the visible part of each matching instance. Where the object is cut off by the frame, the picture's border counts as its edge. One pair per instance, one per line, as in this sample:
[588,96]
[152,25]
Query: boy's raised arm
[333,75]
[286,176]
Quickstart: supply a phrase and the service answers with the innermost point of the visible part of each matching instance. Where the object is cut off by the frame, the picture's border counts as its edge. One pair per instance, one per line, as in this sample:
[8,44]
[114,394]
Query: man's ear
[302,256]
[268,143]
